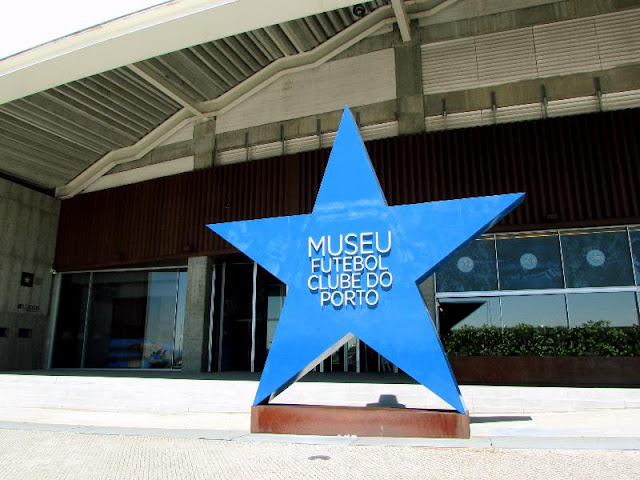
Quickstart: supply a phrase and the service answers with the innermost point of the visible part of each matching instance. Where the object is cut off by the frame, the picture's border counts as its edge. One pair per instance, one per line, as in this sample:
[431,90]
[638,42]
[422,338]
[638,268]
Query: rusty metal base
[360,421]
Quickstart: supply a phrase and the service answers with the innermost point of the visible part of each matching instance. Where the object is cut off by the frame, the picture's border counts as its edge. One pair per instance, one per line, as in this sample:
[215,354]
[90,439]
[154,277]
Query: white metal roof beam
[166,88]
[400,12]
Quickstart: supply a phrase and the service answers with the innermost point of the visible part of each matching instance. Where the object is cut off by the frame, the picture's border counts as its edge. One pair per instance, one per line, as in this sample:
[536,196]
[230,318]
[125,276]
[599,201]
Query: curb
[478,442]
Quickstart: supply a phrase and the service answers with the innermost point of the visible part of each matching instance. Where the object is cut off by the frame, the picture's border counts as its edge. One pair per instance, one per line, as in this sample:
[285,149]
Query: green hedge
[594,338]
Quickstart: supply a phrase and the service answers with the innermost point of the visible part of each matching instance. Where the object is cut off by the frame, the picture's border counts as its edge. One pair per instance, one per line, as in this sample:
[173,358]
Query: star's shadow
[388,401]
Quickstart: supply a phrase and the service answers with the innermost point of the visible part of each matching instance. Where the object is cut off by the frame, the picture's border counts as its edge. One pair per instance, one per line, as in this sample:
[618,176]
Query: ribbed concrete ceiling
[48,138]
[207,71]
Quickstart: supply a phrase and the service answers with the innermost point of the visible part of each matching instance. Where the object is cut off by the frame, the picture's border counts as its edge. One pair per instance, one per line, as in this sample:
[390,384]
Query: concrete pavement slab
[52,455]
[218,407]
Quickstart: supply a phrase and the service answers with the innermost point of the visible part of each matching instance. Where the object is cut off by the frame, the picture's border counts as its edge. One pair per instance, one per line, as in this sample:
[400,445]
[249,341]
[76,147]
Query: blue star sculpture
[352,268]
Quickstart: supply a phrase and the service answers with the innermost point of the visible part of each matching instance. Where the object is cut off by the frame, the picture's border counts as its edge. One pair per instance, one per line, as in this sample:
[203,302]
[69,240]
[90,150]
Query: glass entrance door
[248,328]
[237,317]
[72,317]
[124,319]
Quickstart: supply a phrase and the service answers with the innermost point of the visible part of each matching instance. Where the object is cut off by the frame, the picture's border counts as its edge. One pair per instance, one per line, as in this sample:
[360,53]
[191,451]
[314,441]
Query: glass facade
[617,308]
[275,302]
[559,278]
[472,269]
[634,239]
[129,319]
[135,319]
[468,311]
[238,313]
[537,310]
[527,263]
[252,300]
[597,259]
[72,314]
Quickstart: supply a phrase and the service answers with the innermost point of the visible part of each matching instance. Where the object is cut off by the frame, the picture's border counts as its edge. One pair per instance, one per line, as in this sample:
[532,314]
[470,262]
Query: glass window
[157,350]
[454,313]
[470,269]
[529,263]
[118,309]
[180,309]
[336,359]
[537,310]
[135,319]
[74,295]
[597,259]
[618,308]
[275,302]
[238,311]
[634,236]
[351,351]
[369,358]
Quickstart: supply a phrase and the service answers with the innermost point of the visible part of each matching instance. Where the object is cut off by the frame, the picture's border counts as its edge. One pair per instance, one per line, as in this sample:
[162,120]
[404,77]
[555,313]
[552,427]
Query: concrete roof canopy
[117,87]
[88,111]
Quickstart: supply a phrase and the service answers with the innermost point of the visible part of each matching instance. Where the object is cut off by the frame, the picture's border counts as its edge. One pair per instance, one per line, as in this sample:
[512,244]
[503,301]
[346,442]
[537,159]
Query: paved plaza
[66,425]
[44,455]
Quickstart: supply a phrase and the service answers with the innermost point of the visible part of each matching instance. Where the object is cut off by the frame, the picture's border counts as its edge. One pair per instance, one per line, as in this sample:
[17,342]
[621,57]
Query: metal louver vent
[533,111]
[562,48]
[618,39]
[302,144]
[572,106]
[231,156]
[566,47]
[517,113]
[506,57]
[449,66]
[621,100]
[379,130]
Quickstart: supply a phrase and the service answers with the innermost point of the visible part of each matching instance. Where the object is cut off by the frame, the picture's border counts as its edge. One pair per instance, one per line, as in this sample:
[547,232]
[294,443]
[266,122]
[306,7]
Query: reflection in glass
[336,363]
[180,309]
[352,354]
[472,268]
[618,308]
[385,366]
[634,236]
[275,301]
[529,263]
[537,310]
[117,316]
[74,295]
[597,259]
[157,349]
[369,361]
[238,306]
[131,321]
[454,313]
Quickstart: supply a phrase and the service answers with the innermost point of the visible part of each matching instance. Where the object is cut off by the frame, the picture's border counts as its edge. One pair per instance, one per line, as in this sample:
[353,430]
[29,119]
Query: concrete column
[196,318]
[409,87]
[204,143]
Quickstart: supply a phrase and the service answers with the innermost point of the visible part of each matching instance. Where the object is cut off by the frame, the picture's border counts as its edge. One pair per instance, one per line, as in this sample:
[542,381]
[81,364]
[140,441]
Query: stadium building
[118,145]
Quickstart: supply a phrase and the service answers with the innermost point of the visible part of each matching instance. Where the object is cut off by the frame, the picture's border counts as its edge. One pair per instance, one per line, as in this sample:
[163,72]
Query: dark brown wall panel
[576,171]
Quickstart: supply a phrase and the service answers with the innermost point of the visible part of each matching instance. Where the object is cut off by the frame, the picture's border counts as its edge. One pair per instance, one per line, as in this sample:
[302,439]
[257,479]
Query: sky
[25,24]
